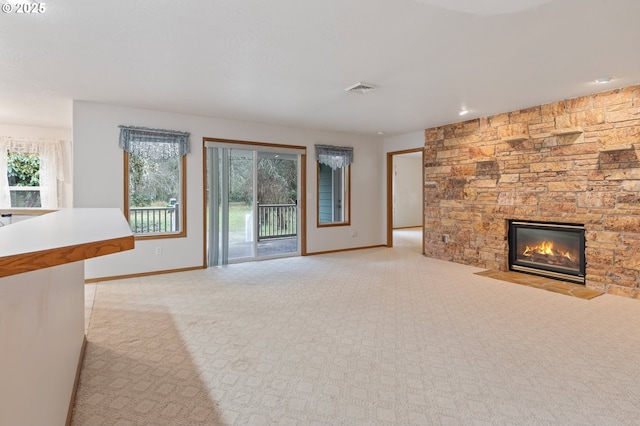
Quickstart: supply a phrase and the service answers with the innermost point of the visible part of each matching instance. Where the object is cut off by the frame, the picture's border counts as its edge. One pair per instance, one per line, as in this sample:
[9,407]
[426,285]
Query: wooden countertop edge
[27,262]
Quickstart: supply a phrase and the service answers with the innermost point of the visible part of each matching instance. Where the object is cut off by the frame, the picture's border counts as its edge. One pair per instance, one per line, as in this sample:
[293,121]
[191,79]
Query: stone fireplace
[574,161]
[554,250]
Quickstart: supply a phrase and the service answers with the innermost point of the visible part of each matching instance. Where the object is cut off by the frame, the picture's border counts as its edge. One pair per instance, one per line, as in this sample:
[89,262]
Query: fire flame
[545,248]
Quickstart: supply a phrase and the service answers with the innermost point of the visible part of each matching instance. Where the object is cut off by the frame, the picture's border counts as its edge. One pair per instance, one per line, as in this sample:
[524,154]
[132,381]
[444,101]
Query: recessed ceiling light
[603,80]
[380,132]
[463,112]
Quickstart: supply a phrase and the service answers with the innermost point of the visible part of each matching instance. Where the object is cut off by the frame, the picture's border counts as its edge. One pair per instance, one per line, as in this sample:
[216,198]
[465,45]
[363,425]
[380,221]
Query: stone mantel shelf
[567,131]
[516,138]
[65,236]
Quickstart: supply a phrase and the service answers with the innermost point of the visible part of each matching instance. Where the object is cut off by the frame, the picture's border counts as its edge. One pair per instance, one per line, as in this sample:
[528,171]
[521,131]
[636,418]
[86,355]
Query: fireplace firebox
[554,250]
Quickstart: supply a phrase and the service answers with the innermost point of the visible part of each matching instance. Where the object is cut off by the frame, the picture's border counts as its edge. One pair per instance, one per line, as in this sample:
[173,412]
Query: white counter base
[41,335]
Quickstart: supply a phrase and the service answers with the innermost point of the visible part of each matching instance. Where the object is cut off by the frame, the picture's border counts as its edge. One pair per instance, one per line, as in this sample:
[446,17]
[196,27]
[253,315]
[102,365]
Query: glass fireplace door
[548,249]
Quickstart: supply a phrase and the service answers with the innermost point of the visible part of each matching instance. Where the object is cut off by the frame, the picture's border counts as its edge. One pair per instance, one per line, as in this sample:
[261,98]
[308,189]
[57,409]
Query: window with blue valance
[155,176]
[334,183]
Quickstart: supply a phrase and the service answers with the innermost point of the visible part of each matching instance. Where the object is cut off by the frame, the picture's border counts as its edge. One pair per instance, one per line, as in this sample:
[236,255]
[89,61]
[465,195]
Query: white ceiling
[289,61]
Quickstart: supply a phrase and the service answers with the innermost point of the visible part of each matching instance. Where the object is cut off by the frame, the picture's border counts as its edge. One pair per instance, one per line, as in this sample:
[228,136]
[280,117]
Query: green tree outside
[23,170]
[153,183]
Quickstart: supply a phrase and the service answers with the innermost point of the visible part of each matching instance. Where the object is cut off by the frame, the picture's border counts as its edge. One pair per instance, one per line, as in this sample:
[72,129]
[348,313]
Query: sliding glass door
[252,203]
[231,199]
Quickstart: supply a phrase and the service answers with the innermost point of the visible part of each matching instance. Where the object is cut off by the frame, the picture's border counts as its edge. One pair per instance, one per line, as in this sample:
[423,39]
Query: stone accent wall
[573,161]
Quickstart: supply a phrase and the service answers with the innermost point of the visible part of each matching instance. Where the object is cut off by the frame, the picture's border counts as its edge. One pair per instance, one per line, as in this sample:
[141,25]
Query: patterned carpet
[370,337]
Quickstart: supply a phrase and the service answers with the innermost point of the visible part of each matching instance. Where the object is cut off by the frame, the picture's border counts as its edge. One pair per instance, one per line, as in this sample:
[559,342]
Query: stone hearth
[572,161]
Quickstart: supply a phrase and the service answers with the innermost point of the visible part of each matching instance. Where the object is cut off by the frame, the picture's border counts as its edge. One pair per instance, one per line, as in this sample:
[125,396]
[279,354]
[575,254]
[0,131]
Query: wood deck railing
[154,220]
[277,221]
[274,220]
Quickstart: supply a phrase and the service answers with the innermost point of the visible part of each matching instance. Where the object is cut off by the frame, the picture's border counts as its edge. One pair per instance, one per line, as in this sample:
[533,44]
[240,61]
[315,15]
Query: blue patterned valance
[154,144]
[334,156]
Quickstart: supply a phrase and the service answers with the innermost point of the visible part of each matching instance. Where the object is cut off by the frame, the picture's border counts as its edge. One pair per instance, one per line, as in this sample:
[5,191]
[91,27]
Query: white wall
[99,180]
[407,191]
[35,132]
[62,134]
[41,330]
[404,141]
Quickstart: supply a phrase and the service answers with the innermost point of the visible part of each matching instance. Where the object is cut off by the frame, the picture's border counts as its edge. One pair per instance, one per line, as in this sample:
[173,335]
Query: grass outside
[237,216]
[238,221]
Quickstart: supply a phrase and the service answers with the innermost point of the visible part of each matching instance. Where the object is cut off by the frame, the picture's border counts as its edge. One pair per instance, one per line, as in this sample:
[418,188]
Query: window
[334,185]
[155,180]
[31,171]
[23,174]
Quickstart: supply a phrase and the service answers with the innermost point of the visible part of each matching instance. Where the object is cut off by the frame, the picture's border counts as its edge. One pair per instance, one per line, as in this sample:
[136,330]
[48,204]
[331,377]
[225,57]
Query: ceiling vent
[361,88]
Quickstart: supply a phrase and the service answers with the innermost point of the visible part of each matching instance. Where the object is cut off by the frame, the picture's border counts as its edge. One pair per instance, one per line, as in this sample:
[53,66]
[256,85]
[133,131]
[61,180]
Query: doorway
[405,193]
[253,207]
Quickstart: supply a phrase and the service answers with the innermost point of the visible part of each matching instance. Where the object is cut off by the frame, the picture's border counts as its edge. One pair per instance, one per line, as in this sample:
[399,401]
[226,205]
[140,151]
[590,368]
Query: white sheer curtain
[335,157]
[51,170]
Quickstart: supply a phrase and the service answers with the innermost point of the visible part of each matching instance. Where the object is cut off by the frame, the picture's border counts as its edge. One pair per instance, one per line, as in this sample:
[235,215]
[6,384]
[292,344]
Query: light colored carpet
[370,337]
